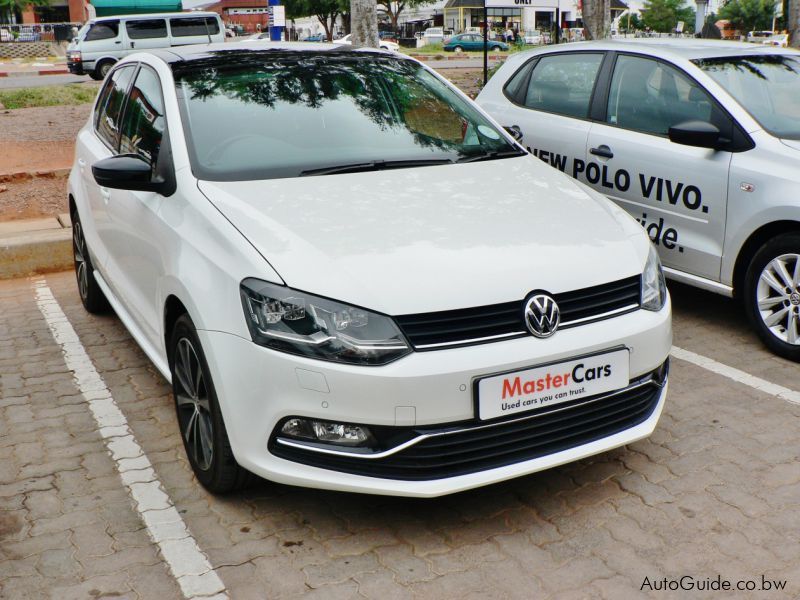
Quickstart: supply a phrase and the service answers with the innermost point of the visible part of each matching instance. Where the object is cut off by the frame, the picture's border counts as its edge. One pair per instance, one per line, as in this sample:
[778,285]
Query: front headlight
[654,288]
[291,321]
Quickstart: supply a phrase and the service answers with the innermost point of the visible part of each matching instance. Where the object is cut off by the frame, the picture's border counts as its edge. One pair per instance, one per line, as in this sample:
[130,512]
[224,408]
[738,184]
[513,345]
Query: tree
[749,15]
[596,18]
[631,22]
[10,8]
[663,15]
[327,11]
[393,8]
[364,23]
[792,15]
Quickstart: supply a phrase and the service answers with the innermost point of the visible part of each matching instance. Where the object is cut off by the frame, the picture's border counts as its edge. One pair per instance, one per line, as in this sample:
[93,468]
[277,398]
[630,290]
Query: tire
[103,68]
[95,75]
[458,49]
[202,428]
[772,295]
[92,297]
[497,49]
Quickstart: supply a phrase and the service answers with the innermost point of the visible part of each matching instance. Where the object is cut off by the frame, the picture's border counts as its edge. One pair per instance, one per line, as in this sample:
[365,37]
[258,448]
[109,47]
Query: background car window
[146,29]
[563,83]
[143,123]
[102,98]
[106,30]
[108,121]
[184,27]
[649,96]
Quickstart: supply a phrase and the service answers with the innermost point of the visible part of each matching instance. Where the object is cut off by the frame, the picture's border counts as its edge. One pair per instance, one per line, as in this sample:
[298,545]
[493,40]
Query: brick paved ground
[716,490]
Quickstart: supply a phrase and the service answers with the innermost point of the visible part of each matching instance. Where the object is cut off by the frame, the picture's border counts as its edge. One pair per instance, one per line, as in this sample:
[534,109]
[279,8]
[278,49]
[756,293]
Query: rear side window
[143,124]
[102,98]
[108,119]
[146,29]
[649,96]
[107,30]
[563,83]
[185,26]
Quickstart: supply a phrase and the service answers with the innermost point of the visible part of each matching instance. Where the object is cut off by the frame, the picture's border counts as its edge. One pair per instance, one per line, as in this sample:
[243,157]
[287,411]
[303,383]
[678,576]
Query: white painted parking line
[762,385]
[190,567]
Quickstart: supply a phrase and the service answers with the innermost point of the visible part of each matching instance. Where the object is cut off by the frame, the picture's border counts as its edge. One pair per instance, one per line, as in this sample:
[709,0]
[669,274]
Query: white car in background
[334,287]
[384,44]
[699,140]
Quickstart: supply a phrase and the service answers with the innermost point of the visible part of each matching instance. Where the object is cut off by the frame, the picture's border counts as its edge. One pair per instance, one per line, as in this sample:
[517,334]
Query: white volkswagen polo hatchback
[355,279]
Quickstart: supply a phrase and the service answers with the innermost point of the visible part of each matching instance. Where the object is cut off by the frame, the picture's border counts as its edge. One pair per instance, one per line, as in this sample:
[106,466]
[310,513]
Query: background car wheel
[92,297]
[458,49]
[772,295]
[497,49]
[95,75]
[103,68]
[202,428]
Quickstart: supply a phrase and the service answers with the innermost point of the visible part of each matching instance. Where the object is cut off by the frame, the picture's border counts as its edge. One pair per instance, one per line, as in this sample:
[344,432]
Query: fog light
[326,432]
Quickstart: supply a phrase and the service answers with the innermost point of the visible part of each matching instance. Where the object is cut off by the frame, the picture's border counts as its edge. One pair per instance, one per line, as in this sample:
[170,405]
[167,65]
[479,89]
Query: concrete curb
[34,73]
[35,246]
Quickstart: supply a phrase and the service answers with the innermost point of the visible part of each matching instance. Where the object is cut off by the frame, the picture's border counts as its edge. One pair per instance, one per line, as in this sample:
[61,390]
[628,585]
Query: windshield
[272,114]
[767,86]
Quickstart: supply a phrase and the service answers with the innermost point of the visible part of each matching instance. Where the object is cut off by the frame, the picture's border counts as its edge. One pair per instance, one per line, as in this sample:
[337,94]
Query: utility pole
[485,43]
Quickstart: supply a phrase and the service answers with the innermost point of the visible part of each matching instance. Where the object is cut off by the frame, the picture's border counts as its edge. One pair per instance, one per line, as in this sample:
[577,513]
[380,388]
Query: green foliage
[55,95]
[749,15]
[10,7]
[635,22]
[663,15]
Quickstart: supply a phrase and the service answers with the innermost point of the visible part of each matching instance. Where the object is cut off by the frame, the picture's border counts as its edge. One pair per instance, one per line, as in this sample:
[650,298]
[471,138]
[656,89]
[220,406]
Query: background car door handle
[603,151]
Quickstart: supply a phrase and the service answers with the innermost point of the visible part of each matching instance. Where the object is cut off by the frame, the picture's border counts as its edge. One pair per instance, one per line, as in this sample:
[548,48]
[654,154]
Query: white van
[102,42]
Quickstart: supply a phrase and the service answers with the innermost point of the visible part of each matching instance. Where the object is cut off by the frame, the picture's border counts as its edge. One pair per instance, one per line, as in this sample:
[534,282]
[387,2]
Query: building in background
[79,11]
[249,15]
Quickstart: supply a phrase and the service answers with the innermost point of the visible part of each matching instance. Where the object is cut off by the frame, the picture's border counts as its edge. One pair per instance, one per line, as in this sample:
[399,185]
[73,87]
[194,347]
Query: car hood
[434,238]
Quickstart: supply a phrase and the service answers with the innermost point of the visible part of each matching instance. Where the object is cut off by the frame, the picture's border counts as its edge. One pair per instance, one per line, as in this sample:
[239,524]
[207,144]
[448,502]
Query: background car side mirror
[515,132]
[128,172]
[695,133]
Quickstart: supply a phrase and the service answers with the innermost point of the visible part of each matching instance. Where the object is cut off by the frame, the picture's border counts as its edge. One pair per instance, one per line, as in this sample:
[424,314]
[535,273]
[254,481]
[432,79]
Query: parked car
[102,42]
[436,35]
[699,140]
[385,44]
[317,37]
[533,37]
[758,36]
[472,42]
[332,286]
[781,40]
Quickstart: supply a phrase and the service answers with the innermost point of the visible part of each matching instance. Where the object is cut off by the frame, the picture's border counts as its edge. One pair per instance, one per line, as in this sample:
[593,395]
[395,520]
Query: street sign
[277,16]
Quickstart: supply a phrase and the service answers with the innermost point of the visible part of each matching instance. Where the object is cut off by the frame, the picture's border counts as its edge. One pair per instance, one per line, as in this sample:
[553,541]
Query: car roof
[172,15]
[685,48]
[218,51]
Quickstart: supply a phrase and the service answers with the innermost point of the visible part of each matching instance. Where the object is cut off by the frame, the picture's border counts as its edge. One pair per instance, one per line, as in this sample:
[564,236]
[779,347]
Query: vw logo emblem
[542,315]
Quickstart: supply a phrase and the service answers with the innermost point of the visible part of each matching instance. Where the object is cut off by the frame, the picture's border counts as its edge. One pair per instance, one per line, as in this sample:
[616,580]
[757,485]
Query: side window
[102,98]
[649,96]
[108,120]
[107,30]
[143,123]
[188,26]
[513,89]
[146,29]
[563,83]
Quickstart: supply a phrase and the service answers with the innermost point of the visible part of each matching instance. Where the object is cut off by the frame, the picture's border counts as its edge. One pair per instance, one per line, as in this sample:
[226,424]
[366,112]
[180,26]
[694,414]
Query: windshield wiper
[493,155]
[375,165]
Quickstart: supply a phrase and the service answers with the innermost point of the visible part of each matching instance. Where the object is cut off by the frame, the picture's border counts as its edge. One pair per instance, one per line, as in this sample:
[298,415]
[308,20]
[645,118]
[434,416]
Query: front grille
[462,448]
[429,331]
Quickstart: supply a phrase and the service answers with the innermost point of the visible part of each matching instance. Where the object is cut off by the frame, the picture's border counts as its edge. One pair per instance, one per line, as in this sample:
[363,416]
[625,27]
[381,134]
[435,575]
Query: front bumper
[258,388]
[75,67]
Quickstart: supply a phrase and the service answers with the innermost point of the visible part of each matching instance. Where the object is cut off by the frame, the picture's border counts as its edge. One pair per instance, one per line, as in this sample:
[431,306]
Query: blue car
[472,41]
[317,37]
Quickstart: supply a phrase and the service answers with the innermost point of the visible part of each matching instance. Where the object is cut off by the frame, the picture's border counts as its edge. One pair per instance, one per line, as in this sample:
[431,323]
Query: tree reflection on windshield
[289,111]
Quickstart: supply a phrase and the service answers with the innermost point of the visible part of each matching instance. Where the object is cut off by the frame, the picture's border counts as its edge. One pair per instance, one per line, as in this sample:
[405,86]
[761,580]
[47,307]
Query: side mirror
[700,134]
[127,172]
[515,132]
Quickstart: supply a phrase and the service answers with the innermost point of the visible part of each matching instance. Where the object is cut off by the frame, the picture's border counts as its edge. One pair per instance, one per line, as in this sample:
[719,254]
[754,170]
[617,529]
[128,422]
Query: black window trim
[135,66]
[523,85]
[139,20]
[740,142]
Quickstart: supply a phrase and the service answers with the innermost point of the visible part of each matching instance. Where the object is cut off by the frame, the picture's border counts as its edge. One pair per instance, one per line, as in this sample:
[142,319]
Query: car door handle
[133,44]
[603,151]
[106,194]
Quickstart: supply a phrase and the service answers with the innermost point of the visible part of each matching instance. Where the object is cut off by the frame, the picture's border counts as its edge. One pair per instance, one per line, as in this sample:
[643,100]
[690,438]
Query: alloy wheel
[80,254]
[778,297]
[194,413]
